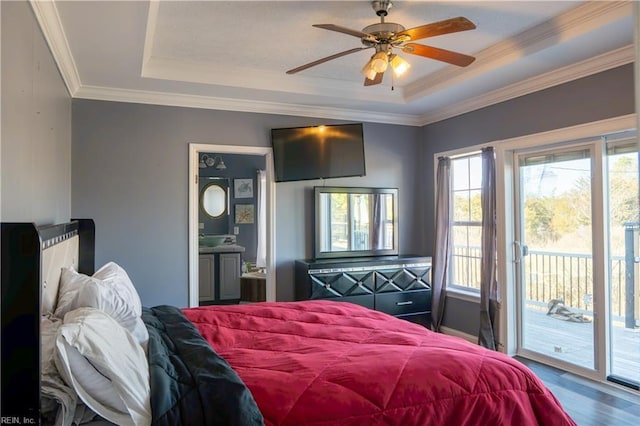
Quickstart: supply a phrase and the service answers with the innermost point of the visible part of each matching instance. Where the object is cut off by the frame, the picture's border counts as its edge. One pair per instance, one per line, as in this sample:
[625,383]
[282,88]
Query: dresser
[397,285]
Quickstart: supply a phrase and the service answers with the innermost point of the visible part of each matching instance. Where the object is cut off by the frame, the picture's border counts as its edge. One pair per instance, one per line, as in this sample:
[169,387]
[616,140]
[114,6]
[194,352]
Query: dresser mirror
[351,222]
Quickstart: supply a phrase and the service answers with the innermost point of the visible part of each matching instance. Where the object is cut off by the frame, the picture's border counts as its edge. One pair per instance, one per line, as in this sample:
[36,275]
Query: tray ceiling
[233,55]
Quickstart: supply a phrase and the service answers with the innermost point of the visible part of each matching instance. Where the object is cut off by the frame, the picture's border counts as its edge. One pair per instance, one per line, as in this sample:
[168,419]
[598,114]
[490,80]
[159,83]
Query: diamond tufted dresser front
[397,285]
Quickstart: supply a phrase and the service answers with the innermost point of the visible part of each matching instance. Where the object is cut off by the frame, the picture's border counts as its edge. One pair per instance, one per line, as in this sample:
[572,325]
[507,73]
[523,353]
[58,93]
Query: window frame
[468,188]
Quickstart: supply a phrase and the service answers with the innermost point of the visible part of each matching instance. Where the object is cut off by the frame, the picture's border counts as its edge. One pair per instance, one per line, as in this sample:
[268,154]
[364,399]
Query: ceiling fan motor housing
[384,32]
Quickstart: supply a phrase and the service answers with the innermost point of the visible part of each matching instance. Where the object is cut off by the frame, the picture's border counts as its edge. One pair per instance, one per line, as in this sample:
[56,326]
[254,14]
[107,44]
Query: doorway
[194,154]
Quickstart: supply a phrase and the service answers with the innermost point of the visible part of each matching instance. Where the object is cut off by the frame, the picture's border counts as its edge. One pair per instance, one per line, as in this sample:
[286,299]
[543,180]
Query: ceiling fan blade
[376,80]
[443,55]
[345,30]
[328,58]
[447,26]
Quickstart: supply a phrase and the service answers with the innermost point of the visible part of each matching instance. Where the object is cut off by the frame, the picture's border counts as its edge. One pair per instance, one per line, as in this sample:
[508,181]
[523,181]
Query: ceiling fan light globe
[368,71]
[379,62]
[379,65]
[399,65]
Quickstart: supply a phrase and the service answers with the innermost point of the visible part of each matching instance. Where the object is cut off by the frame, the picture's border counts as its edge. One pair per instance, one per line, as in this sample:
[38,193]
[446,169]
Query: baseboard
[457,333]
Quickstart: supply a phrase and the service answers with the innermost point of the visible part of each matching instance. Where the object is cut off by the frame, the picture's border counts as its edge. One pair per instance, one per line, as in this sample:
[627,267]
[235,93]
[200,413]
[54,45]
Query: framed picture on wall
[243,188]
[244,213]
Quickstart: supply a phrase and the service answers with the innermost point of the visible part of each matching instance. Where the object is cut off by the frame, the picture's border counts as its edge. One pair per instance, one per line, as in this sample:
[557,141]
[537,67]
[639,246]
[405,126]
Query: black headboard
[21,253]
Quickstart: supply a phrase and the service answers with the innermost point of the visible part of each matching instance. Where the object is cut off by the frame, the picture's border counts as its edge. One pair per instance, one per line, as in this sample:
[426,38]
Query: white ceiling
[233,55]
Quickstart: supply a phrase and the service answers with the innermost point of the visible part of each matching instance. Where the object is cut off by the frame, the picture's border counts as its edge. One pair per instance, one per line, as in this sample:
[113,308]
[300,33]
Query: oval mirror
[213,200]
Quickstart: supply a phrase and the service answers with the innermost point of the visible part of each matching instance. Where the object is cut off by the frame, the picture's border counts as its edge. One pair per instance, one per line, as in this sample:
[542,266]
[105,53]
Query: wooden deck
[573,342]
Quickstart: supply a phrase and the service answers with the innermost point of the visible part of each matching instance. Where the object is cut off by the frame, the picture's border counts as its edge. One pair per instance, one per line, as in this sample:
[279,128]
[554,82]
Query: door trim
[194,150]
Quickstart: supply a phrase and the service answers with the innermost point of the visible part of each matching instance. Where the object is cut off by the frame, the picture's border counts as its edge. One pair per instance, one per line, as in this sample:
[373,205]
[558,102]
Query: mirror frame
[226,200]
[319,190]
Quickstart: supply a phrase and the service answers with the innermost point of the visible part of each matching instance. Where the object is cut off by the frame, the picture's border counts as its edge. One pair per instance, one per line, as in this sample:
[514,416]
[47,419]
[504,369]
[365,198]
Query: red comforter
[327,363]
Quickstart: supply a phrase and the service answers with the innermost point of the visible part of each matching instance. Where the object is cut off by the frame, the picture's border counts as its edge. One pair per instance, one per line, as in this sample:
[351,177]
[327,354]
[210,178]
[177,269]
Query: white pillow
[113,294]
[113,274]
[105,365]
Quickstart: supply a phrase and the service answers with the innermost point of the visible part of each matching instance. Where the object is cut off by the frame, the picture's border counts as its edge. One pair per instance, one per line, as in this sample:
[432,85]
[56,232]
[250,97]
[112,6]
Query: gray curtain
[442,248]
[489,298]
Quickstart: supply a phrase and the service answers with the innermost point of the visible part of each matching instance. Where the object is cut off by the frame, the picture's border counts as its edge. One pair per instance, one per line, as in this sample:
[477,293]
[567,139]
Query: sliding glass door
[576,242]
[555,254]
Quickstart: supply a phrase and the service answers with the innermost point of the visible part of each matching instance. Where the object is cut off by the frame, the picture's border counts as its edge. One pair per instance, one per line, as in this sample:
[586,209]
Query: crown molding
[585,68]
[241,105]
[606,61]
[46,14]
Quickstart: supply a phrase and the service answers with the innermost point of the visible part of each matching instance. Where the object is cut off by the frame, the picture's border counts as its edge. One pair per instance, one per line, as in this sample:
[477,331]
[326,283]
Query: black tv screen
[320,152]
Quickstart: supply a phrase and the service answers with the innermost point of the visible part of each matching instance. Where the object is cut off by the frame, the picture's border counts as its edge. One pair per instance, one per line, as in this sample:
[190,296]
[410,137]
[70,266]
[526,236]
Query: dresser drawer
[340,284]
[402,303]
[366,301]
[424,318]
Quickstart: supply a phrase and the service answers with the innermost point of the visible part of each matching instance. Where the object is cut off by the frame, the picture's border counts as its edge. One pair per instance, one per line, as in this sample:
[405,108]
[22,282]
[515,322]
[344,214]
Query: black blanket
[190,383]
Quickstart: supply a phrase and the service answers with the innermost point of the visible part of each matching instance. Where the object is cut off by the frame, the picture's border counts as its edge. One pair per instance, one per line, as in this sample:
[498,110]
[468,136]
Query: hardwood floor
[589,403]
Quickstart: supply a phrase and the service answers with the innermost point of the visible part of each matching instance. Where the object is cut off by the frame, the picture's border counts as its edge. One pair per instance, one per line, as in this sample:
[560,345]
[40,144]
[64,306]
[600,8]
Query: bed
[283,363]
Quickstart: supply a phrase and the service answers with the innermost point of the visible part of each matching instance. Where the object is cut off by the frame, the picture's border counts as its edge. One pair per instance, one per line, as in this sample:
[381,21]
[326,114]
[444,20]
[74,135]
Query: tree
[538,218]
[623,190]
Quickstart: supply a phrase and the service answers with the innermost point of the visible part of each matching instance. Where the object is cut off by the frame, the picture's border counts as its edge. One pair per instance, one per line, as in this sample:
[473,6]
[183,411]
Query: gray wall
[36,124]
[605,95]
[130,166]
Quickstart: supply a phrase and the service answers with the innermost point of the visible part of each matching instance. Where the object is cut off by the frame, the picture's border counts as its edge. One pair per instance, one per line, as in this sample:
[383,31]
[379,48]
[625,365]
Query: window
[466,226]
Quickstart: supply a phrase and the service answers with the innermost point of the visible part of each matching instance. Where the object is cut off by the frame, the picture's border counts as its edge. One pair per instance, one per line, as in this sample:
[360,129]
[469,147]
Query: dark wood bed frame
[23,245]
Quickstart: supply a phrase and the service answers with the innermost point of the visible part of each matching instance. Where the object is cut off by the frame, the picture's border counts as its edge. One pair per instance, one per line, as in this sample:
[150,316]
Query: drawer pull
[327,286]
[408,302]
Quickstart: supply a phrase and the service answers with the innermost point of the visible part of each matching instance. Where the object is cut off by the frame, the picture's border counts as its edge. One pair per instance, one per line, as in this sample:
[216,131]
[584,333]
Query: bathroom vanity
[219,272]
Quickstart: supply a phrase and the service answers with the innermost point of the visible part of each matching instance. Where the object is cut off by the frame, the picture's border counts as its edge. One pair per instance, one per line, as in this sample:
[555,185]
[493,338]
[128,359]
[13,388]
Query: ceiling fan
[386,36]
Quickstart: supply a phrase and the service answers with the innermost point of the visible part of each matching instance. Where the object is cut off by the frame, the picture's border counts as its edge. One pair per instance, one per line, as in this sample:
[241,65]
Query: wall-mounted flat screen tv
[320,152]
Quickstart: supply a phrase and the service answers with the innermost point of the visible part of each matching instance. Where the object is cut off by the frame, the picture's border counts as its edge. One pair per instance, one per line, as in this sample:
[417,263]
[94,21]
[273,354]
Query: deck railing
[551,275]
